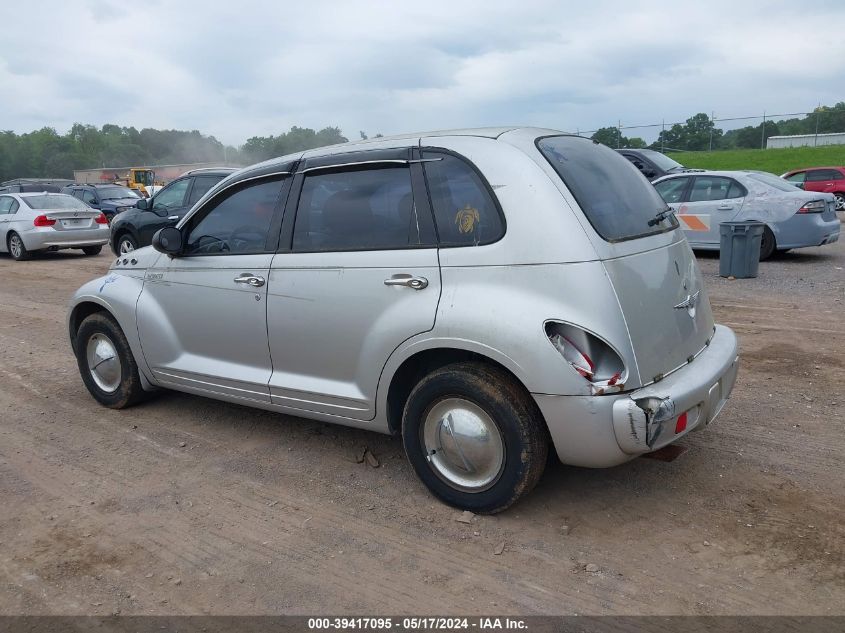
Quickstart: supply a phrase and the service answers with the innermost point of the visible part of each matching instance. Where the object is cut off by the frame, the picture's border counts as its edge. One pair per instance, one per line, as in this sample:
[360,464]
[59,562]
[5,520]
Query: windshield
[116,193]
[661,160]
[772,181]
[56,201]
[613,194]
[144,177]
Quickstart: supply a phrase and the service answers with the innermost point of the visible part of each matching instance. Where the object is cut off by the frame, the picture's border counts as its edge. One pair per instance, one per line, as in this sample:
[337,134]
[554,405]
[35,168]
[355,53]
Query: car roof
[403,140]
[214,171]
[837,167]
[27,194]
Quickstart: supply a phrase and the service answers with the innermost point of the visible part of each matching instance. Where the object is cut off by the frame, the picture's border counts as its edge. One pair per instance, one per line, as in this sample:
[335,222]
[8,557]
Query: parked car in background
[110,199]
[652,164]
[33,185]
[793,218]
[135,227]
[823,179]
[33,222]
[486,293]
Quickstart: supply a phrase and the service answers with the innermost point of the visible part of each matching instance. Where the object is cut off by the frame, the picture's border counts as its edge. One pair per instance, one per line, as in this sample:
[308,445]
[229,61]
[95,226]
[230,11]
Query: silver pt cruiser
[487,294]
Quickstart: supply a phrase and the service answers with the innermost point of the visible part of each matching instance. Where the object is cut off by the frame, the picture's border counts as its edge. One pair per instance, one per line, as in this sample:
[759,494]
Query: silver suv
[487,294]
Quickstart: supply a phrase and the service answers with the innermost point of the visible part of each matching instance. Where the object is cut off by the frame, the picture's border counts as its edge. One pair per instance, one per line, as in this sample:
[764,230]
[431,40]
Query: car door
[823,180]
[202,316]
[5,207]
[166,208]
[709,201]
[358,274]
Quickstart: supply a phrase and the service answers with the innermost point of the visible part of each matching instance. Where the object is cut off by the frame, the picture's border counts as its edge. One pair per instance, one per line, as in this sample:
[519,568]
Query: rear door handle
[248,278]
[725,207]
[173,217]
[417,283]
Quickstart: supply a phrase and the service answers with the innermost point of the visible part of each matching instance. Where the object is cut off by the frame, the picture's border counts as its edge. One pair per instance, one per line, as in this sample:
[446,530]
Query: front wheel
[768,244]
[474,437]
[126,244]
[106,363]
[92,250]
[840,201]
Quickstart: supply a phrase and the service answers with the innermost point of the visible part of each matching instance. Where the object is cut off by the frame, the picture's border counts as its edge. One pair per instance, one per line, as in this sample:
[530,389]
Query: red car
[826,179]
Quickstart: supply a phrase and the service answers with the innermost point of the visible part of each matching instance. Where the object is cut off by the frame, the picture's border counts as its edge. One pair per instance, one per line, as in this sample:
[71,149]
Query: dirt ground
[188,506]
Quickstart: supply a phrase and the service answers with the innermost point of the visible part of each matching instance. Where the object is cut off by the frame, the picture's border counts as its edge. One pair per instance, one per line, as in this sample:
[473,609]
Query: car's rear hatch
[665,306]
[647,259]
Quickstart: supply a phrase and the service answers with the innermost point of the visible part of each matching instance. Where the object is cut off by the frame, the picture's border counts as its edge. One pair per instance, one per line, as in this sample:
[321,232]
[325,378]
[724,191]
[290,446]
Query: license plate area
[73,223]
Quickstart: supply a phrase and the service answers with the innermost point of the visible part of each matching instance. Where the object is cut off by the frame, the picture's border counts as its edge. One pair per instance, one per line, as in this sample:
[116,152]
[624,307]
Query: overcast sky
[247,68]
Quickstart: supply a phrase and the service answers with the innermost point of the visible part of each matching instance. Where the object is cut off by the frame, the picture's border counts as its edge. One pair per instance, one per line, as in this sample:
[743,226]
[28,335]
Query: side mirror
[800,185]
[168,241]
[143,204]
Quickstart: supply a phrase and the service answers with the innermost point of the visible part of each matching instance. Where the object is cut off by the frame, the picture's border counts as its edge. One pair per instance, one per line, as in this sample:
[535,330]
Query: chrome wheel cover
[15,246]
[103,362]
[463,445]
[125,246]
[840,202]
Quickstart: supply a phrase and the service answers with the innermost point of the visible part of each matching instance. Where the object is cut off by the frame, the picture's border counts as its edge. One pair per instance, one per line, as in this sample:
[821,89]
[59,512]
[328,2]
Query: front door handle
[248,278]
[173,217]
[726,207]
[417,283]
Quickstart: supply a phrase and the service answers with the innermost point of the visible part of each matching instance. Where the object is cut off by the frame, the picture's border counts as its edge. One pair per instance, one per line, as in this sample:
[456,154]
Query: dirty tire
[768,244]
[16,248]
[515,414]
[125,244]
[92,250]
[129,390]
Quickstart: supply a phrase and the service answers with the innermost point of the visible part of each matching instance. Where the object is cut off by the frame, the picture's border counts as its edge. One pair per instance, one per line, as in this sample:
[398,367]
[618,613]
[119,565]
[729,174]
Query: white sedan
[33,222]
[794,218]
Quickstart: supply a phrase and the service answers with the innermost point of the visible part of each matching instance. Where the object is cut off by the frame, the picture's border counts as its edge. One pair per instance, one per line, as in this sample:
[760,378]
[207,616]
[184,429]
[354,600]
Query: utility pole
[619,135]
[663,137]
[763,132]
[712,125]
[816,139]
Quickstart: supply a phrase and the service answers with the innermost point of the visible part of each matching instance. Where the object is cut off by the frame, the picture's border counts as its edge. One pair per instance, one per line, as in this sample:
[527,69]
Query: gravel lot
[186,506]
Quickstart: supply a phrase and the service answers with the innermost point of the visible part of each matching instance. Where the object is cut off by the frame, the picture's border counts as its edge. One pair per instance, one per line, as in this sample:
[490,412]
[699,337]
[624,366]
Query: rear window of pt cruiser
[615,197]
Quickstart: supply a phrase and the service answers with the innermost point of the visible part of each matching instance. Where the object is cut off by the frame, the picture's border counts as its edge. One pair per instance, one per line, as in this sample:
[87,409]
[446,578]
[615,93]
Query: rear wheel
[106,363]
[768,244]
[474,437]
[126,244]
[92,250]
[16,248]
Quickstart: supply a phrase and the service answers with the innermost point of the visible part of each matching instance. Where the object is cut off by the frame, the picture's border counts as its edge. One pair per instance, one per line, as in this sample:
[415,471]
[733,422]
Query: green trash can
[739,248]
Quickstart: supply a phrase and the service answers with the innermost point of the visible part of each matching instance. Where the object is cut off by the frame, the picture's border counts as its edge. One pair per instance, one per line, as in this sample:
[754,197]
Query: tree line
[45,153]
[699,132]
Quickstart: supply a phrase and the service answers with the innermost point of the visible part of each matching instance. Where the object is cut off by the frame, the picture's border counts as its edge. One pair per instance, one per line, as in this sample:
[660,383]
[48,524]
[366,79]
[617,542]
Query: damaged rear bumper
[601,431]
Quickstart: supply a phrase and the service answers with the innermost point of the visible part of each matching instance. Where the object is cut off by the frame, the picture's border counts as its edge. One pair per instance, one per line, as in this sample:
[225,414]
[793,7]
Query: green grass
[776,161]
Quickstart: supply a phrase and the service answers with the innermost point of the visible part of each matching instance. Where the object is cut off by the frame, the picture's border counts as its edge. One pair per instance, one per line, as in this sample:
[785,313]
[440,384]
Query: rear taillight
[816,206]
[43,220]
[592,358]
[101,219]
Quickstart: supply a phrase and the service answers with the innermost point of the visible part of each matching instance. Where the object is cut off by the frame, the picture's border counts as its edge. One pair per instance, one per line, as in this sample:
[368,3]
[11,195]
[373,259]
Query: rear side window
[363,209]
[819,175]
[616,199]
[5,205]
[707,188]
[464,210]
[201,186]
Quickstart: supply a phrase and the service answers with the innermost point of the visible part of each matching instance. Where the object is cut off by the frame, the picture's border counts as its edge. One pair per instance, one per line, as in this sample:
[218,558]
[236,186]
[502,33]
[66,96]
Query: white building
[806,140]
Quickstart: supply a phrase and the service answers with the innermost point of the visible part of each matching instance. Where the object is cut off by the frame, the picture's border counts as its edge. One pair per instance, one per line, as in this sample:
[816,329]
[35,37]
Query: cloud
[256,68]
